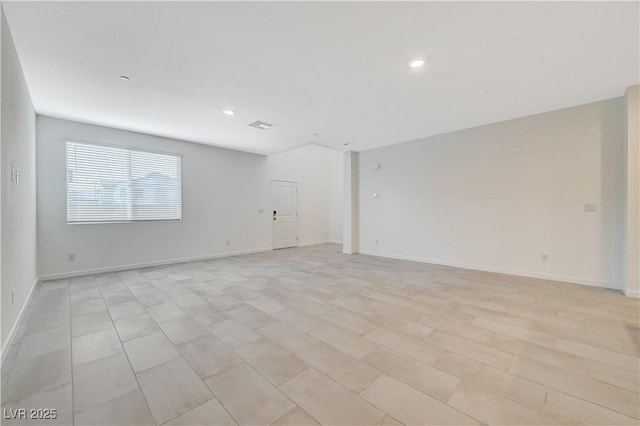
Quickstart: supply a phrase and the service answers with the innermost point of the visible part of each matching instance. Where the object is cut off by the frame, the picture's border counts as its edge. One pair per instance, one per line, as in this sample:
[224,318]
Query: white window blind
[108,184]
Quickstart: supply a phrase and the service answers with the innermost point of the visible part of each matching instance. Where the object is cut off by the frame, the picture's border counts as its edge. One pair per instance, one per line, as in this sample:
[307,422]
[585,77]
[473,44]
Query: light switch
[590,208]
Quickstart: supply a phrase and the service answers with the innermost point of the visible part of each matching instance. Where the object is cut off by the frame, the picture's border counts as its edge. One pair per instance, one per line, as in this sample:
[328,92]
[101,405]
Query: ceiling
[339,70]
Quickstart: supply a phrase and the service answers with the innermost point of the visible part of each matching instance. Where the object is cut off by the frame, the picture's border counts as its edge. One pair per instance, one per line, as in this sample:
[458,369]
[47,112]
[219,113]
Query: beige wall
[223,193]
[18,217]
[632,192]
[498,197]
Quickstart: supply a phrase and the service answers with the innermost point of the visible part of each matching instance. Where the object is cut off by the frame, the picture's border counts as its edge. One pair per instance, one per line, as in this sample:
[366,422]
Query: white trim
[631,293]
[12,334]
[313,243]
[527,274]
[149,264]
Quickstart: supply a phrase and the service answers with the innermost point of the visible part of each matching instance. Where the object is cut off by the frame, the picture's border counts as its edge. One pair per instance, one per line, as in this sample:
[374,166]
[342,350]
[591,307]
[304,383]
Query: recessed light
[228,112]
[124,78]
[416,63]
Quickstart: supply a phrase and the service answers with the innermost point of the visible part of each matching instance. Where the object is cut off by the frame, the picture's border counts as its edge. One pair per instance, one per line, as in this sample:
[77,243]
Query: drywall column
[350,203]
[632,193]
[2,349]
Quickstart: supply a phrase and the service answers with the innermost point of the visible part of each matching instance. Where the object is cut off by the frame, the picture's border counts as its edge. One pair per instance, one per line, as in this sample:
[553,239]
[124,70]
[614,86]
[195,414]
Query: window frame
[129,148]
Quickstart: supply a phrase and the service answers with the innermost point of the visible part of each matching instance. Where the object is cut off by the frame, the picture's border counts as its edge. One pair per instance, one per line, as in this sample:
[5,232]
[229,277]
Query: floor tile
[405,345]
[411,406]
[328,402]
[138,326]
[605,356]
[479,352]
[32,375]
[428,380]
[152,298]
[248,397]
[513,387]
[351,373]
[298,319]
[126,309]
[412,337]
[48,321]
[209,413]
[570,407]
[96,345]
[149,351]
[295,417]
[183,329]
[251,317]
[233,333]
[89,306]
[344,340]
[45,341]
[57,398]
[101,380]
[287,336]
[124,410]
[273,362]
[308,306]
[90,323]
[206,314]
[491,408]
[172,389]
[616,398]
[165,312]
[208,356]
[347,321]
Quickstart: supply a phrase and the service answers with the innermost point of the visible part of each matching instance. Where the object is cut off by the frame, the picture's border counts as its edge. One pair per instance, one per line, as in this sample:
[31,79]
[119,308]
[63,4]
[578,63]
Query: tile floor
[309,335]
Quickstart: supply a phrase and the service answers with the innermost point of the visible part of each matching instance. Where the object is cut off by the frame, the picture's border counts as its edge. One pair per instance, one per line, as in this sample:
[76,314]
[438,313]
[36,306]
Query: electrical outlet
[590,208]
[376,242]
[544,258]
[228,242]
[71,257]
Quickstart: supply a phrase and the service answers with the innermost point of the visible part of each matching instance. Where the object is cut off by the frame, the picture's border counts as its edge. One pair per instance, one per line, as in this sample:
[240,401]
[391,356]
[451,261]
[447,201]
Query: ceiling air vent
[262,125]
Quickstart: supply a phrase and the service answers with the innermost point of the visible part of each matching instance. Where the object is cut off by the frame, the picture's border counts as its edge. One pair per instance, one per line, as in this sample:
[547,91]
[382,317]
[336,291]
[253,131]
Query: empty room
[335,213]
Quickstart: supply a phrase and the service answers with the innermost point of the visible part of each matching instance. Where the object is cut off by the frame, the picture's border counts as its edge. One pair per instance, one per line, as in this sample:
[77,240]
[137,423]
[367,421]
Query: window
[108,184]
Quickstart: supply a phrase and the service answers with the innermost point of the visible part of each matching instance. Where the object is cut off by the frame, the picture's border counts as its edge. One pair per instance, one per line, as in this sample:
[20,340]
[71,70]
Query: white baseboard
[12,334]
[119,268]
[312,243]
[519,273]
[634,294]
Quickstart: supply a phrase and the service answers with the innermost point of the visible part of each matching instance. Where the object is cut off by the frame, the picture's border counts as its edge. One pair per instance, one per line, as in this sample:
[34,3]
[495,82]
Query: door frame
[273,208]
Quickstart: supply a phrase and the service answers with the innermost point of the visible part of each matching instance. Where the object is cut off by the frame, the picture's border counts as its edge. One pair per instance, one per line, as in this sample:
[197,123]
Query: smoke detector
[262,125]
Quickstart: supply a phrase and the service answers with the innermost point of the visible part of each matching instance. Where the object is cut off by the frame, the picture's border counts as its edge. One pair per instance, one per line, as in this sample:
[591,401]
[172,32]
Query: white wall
[222,192]
[319,197]
[632,192]
[18,215]
[497,197]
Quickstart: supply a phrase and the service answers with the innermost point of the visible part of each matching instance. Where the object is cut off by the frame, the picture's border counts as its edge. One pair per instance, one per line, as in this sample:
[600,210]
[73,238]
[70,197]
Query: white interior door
[284,202]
